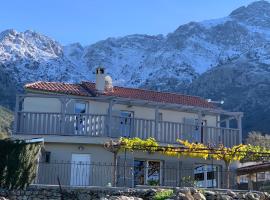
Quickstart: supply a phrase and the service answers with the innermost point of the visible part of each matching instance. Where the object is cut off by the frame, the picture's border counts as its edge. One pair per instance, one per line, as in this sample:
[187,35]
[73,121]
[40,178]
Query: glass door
[206,176]
[80,111]
[147,172]
[126,120]
[153,173]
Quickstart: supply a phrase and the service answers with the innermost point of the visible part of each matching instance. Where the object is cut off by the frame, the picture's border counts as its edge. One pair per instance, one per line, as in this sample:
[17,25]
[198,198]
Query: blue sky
[87,21]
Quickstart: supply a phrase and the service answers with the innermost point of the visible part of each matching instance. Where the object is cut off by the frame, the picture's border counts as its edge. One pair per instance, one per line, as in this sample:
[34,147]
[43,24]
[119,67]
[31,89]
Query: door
[80,111]
[192,130]
[147,172]
[206,176]
[126,119]
[80,170]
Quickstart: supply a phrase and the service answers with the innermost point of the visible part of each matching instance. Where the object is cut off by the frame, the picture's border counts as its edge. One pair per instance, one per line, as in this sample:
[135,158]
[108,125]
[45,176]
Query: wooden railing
[115,127]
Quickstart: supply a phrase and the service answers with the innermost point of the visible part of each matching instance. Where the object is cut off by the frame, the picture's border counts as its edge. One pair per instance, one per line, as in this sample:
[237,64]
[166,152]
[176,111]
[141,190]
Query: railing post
[15,128]
[109,122]
[156,122]
[201,133]
[239,126]
[63,113]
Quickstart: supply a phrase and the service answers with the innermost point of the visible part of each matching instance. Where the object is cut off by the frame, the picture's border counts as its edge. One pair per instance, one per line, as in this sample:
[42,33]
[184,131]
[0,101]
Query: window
[46,157]
[80,107]
[153,173]
[160,116]
[206,175]
[147,172]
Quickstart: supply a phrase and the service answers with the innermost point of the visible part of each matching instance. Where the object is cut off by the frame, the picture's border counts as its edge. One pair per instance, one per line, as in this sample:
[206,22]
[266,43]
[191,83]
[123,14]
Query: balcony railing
[114,127]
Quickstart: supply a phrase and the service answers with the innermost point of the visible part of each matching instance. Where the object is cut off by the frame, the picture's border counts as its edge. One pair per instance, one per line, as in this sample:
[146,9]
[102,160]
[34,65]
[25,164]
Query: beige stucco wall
[35,104]
[101,170]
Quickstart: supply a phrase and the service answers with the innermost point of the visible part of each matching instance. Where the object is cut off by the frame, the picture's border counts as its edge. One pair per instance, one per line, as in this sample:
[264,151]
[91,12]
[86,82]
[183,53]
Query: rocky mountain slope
[224,58]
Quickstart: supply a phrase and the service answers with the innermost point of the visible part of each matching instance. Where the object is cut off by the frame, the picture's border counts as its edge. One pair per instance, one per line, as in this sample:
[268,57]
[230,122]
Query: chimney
[100,79]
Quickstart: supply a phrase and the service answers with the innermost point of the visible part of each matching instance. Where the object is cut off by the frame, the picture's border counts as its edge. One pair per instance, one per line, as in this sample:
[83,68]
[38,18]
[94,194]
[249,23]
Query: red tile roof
[56,87]
[88,89]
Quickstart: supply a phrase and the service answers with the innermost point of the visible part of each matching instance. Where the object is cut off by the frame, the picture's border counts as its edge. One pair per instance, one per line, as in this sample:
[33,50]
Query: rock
[181,196]
[193,190]
[231,193]
[240,196]
[252,196]
[210,195]
[183,190]
[124,198]
[224,197]
[198,196]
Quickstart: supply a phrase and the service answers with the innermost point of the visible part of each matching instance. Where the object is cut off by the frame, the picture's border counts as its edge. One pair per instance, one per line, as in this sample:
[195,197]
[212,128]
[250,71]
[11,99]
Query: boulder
[231,193]
[181,196]
[124,198]
[252,196]
[198,196]
[210,195]
[193,190]
[224,197]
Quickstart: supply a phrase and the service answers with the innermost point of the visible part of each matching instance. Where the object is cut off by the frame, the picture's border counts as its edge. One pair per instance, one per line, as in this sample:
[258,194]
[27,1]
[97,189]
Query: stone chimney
[100,79]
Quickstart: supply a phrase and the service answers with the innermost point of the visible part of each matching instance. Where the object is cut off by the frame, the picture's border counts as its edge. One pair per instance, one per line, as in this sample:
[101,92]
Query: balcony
[41,123]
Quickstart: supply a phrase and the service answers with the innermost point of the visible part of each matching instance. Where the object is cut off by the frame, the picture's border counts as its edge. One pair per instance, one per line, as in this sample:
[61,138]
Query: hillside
[6,118]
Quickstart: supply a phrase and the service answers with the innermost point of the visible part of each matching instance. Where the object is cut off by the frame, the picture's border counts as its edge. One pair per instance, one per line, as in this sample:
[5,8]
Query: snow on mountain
[30,56]
[160,62]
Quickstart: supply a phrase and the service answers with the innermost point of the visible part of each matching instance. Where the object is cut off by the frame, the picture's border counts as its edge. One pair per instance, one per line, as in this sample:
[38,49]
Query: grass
[6,119]
[164,194]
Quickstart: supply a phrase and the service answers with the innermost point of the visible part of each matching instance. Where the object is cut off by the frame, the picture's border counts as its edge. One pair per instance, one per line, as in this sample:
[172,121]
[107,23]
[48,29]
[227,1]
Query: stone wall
[110,193]
[76,193]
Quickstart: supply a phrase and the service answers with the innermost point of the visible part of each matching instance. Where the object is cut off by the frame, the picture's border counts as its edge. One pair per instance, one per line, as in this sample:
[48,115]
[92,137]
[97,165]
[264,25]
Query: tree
[18,163]
[257,139]
[114,147]
[229,155]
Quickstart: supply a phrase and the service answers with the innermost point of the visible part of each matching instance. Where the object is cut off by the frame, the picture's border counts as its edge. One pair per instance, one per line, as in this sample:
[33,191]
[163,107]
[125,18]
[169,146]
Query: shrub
[164,194]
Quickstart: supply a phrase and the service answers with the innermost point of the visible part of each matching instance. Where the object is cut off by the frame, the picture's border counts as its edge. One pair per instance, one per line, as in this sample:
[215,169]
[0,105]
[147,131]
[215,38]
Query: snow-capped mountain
[195,59]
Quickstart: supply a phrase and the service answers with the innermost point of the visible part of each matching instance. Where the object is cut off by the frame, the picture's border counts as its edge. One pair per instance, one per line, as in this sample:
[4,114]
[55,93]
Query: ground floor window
[206,175]
[147,172]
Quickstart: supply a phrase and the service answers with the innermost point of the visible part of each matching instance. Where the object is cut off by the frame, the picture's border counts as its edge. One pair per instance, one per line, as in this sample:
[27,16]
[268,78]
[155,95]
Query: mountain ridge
[193,59]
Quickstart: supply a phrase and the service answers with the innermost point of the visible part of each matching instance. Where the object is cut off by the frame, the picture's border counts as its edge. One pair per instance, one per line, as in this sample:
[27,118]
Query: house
[76,120]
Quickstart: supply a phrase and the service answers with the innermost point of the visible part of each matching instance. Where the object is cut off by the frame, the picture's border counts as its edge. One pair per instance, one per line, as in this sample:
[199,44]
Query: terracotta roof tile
[149,95]
[56,87]
[88,89]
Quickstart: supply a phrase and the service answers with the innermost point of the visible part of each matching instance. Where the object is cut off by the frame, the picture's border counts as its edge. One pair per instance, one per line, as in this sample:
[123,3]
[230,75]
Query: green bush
[164,194]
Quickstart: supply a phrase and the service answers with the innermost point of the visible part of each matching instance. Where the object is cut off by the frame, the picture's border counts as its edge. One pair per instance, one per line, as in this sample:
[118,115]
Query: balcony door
[126,121]
[80,109]
[193,131]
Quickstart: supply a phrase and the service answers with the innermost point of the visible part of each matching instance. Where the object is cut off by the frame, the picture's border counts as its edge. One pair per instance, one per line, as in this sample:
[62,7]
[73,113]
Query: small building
[254,176]
[76,120]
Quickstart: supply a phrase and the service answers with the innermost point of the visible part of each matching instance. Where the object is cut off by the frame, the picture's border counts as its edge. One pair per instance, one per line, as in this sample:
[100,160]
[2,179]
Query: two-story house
[76,120]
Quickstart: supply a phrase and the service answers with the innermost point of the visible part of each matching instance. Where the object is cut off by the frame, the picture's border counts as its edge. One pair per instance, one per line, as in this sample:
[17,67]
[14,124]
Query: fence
[101,174]
[116,126]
